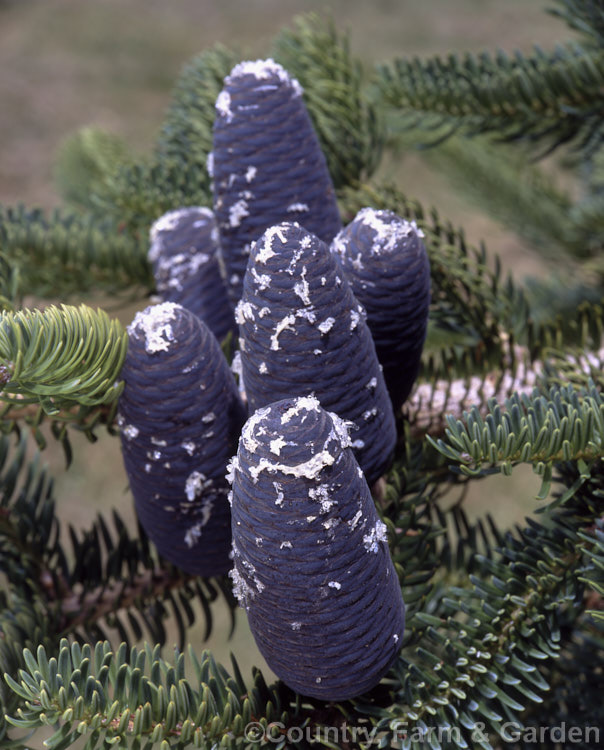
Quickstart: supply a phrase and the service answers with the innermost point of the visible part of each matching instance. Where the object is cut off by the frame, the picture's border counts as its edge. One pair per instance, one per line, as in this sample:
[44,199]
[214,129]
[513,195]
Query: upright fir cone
[302,331]
[184,252]
[387,266]
[267,164]
[311,560]
[179,416]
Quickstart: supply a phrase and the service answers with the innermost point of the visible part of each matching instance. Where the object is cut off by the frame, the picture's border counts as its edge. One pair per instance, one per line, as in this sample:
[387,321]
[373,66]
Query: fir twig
[565,425]
[550,96]
[63,253]
[61,356]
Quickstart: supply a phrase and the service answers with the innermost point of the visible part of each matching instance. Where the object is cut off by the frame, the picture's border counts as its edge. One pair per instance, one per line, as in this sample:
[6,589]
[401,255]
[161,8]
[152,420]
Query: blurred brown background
[69,63]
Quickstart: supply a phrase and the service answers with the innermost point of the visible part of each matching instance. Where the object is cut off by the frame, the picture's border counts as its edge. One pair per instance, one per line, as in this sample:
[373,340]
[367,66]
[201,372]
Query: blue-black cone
[302,331]
[184,252]
[179,416]
[311,563]
[387,266]
[267,164]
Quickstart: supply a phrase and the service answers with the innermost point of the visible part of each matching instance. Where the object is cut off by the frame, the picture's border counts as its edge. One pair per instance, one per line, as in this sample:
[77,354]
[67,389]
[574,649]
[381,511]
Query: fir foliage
[503,624]
[502,180]
[137,194]
[186,133]
[585,16]
[586,215]
[9,284]
[84,161]
[540,102]
[104,581]
[537,429]
[549,96]
[67,253]
[61,357]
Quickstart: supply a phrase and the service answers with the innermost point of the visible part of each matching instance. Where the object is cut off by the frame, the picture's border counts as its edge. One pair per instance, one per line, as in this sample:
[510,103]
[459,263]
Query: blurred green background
[65,64]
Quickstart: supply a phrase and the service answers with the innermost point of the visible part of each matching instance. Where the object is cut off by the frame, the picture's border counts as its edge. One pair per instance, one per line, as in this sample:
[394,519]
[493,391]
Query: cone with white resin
[387,266]
[184,253]
[267,164]
[302,331]
[179,416]
[310,555]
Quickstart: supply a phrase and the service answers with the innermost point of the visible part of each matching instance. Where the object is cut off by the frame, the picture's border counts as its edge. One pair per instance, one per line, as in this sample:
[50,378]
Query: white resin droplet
[154,323]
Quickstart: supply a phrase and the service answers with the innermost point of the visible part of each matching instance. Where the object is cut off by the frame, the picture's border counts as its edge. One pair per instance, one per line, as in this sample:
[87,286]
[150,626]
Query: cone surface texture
[302,331]
[311,564]
[267,164]
[387,266]
[184,252]
[179,416]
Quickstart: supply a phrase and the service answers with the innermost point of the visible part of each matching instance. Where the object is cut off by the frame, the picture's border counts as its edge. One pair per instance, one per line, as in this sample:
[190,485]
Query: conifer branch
[578,665]
[61,356]
[501,180]
[138,194]
[585,16]
[23,623]
[436,399]
[114,573]
[434,402]
[565,425]
[186,133]
[593,575]
[457,667]
[500,633]
[64,253]
[588,229]
[548,96]
[81,609]
[126,695]
[9,283]
[586,215]
[85,161]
